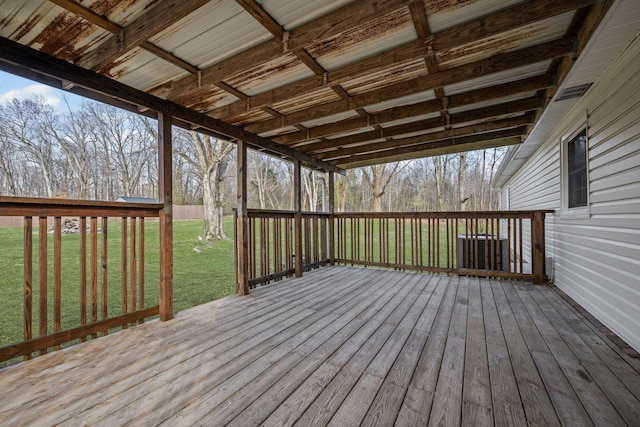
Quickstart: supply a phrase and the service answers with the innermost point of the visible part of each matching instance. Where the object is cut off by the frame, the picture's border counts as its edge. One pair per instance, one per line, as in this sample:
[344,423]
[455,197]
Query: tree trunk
[462,171]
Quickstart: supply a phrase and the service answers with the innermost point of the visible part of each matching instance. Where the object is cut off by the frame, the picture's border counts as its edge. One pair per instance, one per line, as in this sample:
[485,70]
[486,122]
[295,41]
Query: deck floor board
[341,346]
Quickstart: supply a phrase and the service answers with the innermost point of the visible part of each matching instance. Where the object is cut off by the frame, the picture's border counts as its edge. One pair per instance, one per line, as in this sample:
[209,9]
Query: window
[575,174]
[577,170]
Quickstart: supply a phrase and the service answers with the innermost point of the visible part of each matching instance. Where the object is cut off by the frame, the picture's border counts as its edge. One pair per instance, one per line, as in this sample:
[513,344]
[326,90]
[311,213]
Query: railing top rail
[22,206]
[453,214]
[281,213]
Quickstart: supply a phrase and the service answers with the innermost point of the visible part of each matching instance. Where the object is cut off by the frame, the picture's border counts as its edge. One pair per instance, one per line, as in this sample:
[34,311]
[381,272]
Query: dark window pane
[577,170]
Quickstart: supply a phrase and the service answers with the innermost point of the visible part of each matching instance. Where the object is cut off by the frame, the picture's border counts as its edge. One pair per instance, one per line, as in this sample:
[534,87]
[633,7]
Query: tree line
[100,152]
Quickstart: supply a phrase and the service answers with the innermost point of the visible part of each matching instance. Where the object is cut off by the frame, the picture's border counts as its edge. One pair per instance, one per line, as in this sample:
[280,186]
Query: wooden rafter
[349,16]
[161,16]
[404,112]
[430,137]
[497,63]
[538,10]
[40,63]
[483,140]
[112,27]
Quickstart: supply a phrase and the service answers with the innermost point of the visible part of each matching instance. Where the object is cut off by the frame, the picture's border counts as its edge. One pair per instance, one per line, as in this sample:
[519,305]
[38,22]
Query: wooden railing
[504,244]
[274,250]
[109,296]
[488,244]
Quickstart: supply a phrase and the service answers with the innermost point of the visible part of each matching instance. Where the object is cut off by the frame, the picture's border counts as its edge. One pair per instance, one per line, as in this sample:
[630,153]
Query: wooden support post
[242,242]
[166,215]
[297,206]
[537,247]
[331,193]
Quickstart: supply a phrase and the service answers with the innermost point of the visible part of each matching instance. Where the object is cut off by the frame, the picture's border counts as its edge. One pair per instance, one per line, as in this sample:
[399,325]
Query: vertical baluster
[520,244]
[83,272]
[42,255]
[486,244]
[28,279]
[103,255]
[57,276]
[133,285]
[276,242]
[124,270]
[324,235]
[500,254]
[94,270]
[448,242]
[141,266]
[512,247]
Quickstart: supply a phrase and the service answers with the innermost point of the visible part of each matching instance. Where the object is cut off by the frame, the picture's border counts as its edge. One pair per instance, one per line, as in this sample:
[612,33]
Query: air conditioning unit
[483,252]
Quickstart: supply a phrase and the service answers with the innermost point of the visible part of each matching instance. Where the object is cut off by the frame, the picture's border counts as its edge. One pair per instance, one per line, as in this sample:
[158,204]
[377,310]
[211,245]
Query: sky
[16,87]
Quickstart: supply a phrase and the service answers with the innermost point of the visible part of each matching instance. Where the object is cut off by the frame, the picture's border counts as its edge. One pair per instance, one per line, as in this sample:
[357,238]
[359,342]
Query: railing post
[297,206]
[242,223]
[537,247]
[332,257]
[166,215]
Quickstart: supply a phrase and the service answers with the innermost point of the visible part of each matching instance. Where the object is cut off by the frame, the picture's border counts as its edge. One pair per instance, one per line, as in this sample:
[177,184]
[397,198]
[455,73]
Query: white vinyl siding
[597,258]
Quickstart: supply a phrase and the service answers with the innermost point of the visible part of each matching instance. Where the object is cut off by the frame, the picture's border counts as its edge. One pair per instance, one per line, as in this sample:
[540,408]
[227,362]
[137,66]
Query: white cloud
[50,95]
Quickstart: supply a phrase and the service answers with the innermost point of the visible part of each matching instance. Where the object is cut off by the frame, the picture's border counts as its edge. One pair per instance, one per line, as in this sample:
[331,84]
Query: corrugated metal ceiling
[312,69]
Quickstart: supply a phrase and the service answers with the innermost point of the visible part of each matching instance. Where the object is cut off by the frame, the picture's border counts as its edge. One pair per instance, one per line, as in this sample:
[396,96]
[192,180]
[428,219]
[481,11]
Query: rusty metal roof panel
[405,100]
[251,117]
[330,119]
[142,69]
[395,74]
[442,14]
[490,102]
[318,97]
[280,131]
[293,13]
[216,31]
[204,98]
[410,119]
[263,77]
[375,36]
[49,28]
[517,38]
[498,78]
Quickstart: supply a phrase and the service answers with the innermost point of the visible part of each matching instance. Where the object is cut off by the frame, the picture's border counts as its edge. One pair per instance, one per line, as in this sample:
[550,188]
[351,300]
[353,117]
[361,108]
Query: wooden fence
[43,270]
[487,244]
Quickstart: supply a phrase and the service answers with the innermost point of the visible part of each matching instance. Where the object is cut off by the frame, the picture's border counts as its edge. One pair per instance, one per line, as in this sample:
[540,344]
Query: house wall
[596,258]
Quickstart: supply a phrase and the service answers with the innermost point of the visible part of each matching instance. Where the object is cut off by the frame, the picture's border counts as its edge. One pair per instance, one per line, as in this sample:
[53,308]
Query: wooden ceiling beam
[479,128]
[397,55]
[322,28]
[414,110]
[161,16]
[496,63]
[31,60]
[480,114]
[260,15]
[435,149]
[511,135]
[112,27]
[518,15]
[538,10]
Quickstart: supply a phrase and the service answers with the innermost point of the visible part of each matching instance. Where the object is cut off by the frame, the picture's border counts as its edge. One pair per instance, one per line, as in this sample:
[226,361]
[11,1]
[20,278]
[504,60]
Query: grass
[200,275]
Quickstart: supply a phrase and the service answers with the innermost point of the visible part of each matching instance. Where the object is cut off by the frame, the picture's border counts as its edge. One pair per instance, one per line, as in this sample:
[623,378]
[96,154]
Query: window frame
[580,212]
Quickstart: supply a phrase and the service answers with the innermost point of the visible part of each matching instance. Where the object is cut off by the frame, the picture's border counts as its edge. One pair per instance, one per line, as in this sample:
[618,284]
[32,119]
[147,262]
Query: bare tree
[212,160]
[25,125]
[126,144]
[461,198]
[75,137]
[378,178]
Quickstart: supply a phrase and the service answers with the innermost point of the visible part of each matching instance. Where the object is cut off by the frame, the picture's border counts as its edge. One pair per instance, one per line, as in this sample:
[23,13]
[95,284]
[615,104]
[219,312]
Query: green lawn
[200,275]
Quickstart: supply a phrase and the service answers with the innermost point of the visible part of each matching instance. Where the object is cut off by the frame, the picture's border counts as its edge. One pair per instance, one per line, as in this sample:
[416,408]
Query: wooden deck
[342,346]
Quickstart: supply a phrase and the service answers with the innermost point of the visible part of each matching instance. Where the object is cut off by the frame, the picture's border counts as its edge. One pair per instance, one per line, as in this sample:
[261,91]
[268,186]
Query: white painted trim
[583,212]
